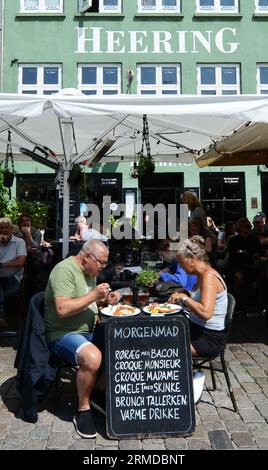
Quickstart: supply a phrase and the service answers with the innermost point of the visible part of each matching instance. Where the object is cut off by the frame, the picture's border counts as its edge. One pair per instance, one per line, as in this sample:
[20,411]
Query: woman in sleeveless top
[207,305]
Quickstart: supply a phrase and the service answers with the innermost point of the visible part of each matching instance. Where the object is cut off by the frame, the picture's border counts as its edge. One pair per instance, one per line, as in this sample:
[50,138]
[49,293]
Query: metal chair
[199,361]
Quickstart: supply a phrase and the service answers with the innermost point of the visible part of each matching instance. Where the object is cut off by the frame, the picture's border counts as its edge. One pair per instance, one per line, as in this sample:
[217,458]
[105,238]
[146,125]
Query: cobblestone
[217,425]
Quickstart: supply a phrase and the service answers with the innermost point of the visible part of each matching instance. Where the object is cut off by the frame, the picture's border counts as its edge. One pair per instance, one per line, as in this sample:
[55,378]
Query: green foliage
[145,167]
[147,277]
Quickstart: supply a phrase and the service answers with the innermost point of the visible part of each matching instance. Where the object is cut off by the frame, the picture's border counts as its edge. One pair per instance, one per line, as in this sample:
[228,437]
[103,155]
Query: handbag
[166,288]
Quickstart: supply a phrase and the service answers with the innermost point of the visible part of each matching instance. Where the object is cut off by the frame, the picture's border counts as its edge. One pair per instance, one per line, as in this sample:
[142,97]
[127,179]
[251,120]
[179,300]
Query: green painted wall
[53,39]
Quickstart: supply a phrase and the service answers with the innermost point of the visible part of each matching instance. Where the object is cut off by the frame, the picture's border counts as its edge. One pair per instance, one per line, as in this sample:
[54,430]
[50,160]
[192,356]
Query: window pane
[29,76]
[169,92]
[148,3]
[229,92]
[263,3]
[52,5]
[208,76]
[50,92]
[110,75]
[89,92]
[148,92]
[31,4]
[264,92]
[51,76]
[29,92]
[169,4]
[110,3]
[169,76]
[207,4]
[89,75]
[263,75]
[228,75]
[148,76]
[110,92]
[227,3]
[208,92]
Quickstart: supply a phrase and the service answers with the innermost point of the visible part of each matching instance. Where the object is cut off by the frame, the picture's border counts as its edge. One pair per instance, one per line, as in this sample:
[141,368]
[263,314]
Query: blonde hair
[193,248]
[80,219]
[5,220]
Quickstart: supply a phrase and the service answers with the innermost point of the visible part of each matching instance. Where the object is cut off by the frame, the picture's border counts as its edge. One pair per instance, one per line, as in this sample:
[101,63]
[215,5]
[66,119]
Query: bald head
[97,247]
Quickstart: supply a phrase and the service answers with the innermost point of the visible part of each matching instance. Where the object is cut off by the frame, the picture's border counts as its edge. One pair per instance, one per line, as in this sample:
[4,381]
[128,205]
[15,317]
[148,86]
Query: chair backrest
[230,312]
[37,302]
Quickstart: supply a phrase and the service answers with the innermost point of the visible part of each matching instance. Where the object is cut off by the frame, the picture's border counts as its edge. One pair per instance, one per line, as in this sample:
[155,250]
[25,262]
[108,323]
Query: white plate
[174,308]
[110,310]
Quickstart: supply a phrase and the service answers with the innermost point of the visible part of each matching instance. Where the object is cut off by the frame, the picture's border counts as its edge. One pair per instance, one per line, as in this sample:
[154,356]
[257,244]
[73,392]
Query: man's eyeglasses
[102,263]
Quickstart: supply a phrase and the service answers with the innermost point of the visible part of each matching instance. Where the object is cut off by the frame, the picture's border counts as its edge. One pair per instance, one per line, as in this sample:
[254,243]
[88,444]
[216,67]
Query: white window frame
[39,87]
[100,87]
[262,88]
[111,9]
[217,8]
[260,9]
[218,87]
[159,7]
[41,8]
[158,87]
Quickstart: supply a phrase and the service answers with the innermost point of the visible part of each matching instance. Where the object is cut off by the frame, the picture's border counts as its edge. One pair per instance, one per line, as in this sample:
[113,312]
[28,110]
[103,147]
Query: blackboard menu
[149,382]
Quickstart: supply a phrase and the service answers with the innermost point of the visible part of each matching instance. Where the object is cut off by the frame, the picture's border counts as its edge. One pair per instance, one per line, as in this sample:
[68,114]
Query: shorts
[206,342]
[68,346]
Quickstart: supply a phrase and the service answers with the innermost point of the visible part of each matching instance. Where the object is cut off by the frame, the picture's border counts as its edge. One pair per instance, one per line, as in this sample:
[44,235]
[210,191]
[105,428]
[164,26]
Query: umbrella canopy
[70,128]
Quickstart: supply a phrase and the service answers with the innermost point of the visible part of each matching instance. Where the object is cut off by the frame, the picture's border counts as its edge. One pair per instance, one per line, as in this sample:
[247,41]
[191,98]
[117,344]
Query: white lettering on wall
[113,41]
[219,41]
[95,40]
[137,39]
[162,38]
[206,42]
[91,40]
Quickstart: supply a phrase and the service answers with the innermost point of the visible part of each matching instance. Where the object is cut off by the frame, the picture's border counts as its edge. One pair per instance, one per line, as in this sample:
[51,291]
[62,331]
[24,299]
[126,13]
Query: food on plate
[124,310]
[155,308]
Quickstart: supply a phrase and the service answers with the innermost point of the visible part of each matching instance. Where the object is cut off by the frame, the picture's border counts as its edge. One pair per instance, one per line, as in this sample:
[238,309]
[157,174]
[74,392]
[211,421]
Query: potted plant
[144,168]
[8,178]
[147,278]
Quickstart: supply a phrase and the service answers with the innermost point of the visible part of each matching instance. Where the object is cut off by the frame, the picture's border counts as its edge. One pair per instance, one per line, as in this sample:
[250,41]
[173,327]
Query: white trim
[158,7]
[218,88]
[39,87]
[99,88]
[158,88]
[259,8]
[41,6]
[262,88]
[217,8]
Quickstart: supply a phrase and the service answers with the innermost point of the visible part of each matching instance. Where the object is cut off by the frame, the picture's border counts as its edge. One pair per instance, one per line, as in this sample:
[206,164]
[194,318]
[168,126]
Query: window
[99,79]
[41,6]
[261,6]
[39,79]
[163,79]
[159,6]
[262,79]
[217,6]
[103,6]
[221,79]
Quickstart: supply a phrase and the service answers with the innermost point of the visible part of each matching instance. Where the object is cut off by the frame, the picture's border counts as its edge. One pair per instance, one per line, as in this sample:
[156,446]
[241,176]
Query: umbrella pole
[68,144]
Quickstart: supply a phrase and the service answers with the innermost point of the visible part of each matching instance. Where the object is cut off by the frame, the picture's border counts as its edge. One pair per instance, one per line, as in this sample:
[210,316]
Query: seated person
[261,230]
[36,246]
[84,233]
[174,271]
[12,254]
[207,305]
[71,311]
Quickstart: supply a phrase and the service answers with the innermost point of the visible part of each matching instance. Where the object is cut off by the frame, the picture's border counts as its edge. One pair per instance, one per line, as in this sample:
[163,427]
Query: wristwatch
[184,299]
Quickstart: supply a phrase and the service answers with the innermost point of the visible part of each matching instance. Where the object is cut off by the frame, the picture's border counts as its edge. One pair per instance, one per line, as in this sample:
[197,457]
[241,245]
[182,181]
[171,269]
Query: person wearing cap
[262,215]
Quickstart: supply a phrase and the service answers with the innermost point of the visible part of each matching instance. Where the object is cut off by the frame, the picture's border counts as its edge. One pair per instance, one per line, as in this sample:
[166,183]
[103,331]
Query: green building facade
[144,47]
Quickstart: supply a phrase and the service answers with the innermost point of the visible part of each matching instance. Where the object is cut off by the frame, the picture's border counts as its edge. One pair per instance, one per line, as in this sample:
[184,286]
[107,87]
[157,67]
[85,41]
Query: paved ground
[218,427]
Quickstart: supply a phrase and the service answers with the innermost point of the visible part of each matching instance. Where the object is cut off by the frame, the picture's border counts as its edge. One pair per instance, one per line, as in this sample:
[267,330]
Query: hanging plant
[75,175]
[8,174]
[145,166]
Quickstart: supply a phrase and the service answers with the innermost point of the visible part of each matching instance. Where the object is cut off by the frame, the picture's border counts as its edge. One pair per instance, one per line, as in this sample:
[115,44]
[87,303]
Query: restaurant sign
[96,40]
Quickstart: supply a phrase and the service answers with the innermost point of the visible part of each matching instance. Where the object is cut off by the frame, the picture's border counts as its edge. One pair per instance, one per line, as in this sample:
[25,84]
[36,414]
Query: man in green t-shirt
[70,315]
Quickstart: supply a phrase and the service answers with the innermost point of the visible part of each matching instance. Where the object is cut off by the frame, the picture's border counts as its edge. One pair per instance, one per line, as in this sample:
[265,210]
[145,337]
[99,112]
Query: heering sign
[90,40]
